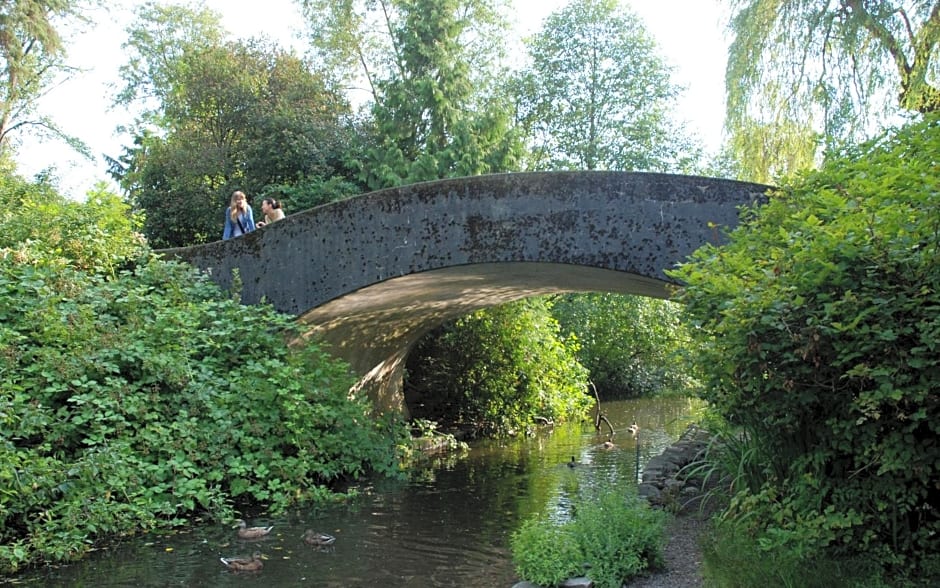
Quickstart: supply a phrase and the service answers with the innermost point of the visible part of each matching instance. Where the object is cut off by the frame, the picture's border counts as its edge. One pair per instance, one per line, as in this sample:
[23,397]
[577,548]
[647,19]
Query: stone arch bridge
[370,275]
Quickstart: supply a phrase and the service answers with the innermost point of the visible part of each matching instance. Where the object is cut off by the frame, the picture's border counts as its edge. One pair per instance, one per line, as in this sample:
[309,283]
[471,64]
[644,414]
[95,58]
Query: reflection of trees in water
[450,521]
[554,487]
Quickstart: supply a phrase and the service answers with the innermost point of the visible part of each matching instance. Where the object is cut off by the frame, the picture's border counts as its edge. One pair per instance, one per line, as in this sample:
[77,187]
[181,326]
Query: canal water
[448,525]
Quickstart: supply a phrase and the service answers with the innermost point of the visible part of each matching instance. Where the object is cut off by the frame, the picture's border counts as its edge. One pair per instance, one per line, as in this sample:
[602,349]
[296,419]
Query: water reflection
[448,525]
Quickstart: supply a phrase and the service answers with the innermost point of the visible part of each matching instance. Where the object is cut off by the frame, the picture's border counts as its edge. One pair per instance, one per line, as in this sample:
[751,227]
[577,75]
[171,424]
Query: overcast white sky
[690,34]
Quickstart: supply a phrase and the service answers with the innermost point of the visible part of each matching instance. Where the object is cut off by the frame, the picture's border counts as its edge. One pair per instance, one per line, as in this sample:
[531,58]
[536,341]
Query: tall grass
[733,558]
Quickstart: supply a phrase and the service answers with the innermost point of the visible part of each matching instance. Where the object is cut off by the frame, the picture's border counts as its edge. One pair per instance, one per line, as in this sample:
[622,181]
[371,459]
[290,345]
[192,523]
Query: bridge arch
[372,274]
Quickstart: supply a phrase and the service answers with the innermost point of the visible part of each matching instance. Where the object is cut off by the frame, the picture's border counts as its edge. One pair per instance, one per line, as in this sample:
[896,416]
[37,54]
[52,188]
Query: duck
[246,532]
[316,539]
[608,444]
[634,428]
[244,564]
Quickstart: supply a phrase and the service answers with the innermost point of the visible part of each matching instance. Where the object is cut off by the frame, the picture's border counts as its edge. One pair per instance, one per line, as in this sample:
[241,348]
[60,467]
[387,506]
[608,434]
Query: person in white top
[272,211]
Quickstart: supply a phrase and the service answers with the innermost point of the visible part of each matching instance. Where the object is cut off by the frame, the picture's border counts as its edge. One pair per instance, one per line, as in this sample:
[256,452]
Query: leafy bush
[497,370]
[309,192]
[40,227]
[629,344]
[820,320]
[732,559]
[613,537]
[544,552]
[143,397]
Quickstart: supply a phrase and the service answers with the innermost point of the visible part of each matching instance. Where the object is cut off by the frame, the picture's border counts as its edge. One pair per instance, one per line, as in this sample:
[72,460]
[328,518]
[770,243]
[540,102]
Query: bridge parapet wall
[638,223]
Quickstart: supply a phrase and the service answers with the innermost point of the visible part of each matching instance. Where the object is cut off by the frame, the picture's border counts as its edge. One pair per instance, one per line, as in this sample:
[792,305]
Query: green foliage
[629,344]
[32,57]
[613,536]
[767,151]
[239,115]
[802,74]
[435,112]
[733,559]
[360,41]
[497,370]
[40,227]
[166,180]
[597,95]
[143,397]
[544,553]
[310,192]
[733,459]
[155,47]
[159,399]
[820,321]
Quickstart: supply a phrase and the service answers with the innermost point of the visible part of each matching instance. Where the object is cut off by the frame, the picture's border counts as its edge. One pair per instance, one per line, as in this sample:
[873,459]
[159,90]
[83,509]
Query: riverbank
[666,485]
[683,553]
[444,524]
[683,557]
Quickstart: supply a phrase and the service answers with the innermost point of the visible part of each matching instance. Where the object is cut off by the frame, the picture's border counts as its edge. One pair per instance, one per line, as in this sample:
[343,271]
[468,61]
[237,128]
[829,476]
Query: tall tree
[357,40]
[802,73]
[597,94]
[156,43]
[431,79]
[221,116]
[31,56]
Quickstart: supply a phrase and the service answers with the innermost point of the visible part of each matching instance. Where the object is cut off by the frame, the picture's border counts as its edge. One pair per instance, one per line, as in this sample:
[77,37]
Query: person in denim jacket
[239,219]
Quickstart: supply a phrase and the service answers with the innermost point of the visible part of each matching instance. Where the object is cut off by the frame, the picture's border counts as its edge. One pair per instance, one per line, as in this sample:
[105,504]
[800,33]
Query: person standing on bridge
[239,219]
[272,211]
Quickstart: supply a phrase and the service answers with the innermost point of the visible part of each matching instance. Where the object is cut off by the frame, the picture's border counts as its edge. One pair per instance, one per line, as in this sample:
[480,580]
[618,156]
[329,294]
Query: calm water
[448,525]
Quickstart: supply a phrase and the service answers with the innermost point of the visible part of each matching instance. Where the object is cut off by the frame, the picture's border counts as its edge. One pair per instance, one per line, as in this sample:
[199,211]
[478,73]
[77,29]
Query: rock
[577,583]
[663,475]
[648,491]
[651,474]
[674,485]
[569,583]
[690,491]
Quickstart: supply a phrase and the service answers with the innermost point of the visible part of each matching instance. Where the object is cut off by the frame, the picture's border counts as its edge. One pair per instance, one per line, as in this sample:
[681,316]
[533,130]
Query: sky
[690,34]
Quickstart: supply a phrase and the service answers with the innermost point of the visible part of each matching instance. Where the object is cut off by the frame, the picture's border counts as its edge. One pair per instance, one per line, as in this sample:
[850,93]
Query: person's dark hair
[272,202]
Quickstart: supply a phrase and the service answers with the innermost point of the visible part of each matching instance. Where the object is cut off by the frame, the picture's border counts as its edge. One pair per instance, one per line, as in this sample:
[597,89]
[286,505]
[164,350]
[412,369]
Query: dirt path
[683,551]
[682,554]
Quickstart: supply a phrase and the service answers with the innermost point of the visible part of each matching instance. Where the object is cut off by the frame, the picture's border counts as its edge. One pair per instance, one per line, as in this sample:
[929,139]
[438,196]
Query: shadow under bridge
[371,275]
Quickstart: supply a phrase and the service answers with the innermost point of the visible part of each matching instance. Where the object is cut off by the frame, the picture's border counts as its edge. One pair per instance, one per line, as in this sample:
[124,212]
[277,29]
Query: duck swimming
[634,428]
[244,564]
[316,539]
[246,532]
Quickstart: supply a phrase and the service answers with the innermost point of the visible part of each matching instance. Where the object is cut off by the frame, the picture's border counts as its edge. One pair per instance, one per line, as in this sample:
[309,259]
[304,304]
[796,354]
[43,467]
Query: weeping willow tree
[804,74]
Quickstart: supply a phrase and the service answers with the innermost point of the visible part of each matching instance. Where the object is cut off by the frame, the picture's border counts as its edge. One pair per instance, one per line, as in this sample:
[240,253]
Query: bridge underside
[375,328]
